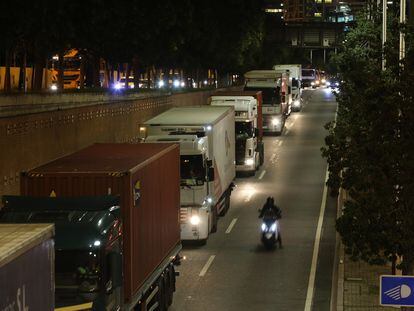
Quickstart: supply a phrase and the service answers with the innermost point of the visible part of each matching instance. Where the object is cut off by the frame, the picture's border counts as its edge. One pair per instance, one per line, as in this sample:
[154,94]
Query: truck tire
[162,294]
[214,220]
[261,153]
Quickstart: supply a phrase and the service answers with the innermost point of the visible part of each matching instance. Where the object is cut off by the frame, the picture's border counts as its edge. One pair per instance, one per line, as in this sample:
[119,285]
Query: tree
[370,146]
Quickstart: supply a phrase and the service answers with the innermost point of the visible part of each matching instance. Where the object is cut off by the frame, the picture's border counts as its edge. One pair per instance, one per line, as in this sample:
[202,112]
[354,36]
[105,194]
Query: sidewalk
[357,282]
[361,286]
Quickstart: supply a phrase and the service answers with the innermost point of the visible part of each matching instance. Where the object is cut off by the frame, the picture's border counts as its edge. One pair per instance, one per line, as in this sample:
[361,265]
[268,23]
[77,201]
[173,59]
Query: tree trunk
[61,71]
[82,71]
[136,71]
[127,72]
[22,75]
[38,72]
[7,78]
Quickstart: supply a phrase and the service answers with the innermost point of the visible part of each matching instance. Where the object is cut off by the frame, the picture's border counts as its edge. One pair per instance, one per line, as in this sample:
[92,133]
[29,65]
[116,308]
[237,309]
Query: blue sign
[397,290]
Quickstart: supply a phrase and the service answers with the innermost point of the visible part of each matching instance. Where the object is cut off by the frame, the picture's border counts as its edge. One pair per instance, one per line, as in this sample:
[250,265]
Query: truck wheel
[162,293]
[214,220]
[261,154]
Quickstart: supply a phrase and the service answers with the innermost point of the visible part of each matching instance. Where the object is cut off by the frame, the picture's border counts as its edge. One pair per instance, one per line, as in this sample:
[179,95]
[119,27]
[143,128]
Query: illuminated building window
[318,14]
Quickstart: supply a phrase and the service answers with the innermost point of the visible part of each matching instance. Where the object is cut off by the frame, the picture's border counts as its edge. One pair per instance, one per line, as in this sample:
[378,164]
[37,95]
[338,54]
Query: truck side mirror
[210,173]
[115,269]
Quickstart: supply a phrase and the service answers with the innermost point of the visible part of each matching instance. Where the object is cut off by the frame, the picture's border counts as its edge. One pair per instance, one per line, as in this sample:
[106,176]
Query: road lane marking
[287,132]
[248,198]
[280,143]
[311,284]
[262,174]
[272,157]
[207,265]
[233,222]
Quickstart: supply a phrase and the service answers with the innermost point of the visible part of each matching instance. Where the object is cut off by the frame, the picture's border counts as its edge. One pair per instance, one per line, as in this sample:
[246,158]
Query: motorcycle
[270,232]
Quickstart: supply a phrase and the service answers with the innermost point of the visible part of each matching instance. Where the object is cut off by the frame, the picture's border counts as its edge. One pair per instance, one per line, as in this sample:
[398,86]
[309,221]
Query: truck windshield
[271,96]
[77,276]
[192,170]
[308,72]
[244,130]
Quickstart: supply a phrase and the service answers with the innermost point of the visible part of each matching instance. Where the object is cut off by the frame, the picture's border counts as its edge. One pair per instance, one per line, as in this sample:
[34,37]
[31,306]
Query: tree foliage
[370,146]
[224,35]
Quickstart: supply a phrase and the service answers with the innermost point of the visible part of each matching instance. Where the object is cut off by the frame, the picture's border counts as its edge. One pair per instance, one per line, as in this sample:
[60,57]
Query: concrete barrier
[31,139]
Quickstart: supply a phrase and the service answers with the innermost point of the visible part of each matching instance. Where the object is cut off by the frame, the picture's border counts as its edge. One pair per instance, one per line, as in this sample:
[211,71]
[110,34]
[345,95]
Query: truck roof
[79,222]
[106,159]
[194,115]
[257,74]
[16,239]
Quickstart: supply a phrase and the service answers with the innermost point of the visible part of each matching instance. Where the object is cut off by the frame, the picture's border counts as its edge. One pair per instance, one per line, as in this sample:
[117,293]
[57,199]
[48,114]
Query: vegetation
[193,35]
[370,146]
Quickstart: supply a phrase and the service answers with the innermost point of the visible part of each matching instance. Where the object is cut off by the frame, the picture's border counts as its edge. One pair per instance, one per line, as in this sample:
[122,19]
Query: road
[233,271]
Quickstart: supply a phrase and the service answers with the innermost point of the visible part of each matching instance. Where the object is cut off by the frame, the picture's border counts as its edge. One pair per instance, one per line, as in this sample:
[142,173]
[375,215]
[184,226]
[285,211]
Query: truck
[116,213]
[26,267]
[275,91]
[295,73]
[310,77]
[207,157]
[248,127]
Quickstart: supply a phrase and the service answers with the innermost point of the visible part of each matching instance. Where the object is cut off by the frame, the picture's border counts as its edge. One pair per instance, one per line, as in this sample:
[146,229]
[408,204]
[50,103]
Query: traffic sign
[397,290]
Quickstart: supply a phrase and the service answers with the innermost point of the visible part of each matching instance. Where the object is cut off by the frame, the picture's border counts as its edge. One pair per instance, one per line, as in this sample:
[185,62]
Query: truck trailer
[248,127]
[275,91]
[27,267]
[116,212]
[207,157]
[295,74]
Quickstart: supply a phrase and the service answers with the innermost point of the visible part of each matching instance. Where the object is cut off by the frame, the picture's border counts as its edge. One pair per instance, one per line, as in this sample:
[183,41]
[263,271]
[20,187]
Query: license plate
[268,235]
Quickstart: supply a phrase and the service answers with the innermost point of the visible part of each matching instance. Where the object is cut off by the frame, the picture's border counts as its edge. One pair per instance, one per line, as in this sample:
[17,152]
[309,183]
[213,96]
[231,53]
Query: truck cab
[197,214]
[276,97]
[88,246]
[248,147]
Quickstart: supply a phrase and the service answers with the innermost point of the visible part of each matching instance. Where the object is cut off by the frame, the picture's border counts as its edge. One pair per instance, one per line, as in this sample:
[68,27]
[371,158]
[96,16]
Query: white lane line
[233,222]
[311,284]
[262,174]
[207,265]
[280,143]
[287,131]
[272,157]
[248,198]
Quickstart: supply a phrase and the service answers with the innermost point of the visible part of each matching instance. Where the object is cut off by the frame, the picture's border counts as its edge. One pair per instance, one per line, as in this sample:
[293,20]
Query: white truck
[276,97]
[207,156]
[295,73]
[248,127]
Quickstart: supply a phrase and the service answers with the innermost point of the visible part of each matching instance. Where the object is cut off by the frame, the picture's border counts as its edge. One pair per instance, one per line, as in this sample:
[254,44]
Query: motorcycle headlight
[296,103]
[323,80]
[273,228]
[264,227]
[195,220]
[328,83]
[249,162]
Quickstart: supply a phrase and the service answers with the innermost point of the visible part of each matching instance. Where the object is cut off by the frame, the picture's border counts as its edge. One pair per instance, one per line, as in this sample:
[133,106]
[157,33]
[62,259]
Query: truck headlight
[312,83]
[195,220]
[53,87]
[275,122]
[323,80]
[249,162]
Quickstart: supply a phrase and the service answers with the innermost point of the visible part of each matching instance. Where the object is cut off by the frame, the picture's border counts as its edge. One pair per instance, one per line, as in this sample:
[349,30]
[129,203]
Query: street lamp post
[402,21]
[384,30]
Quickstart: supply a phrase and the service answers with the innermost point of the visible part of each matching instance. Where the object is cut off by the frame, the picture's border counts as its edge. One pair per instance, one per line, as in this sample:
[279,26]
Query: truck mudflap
[151,288]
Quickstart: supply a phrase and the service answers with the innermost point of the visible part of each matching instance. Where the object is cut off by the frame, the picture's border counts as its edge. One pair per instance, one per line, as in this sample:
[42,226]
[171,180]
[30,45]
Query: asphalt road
[234,271]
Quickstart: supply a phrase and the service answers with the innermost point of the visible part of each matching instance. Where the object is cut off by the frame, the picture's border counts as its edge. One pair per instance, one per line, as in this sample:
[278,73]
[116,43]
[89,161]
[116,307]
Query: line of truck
[120,211]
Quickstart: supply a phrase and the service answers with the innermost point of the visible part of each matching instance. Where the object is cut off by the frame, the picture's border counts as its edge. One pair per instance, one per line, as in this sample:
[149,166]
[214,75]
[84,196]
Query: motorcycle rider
[271,209]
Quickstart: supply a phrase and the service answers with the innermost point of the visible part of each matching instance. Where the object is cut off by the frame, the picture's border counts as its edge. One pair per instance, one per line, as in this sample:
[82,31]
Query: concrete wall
[27,141]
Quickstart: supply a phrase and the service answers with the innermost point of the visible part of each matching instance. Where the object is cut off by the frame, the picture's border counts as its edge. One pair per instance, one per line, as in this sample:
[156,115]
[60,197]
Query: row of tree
[223,35]
[370,147]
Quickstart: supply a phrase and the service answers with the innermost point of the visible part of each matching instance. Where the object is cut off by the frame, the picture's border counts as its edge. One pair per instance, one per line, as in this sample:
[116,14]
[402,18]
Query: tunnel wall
[29,140]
